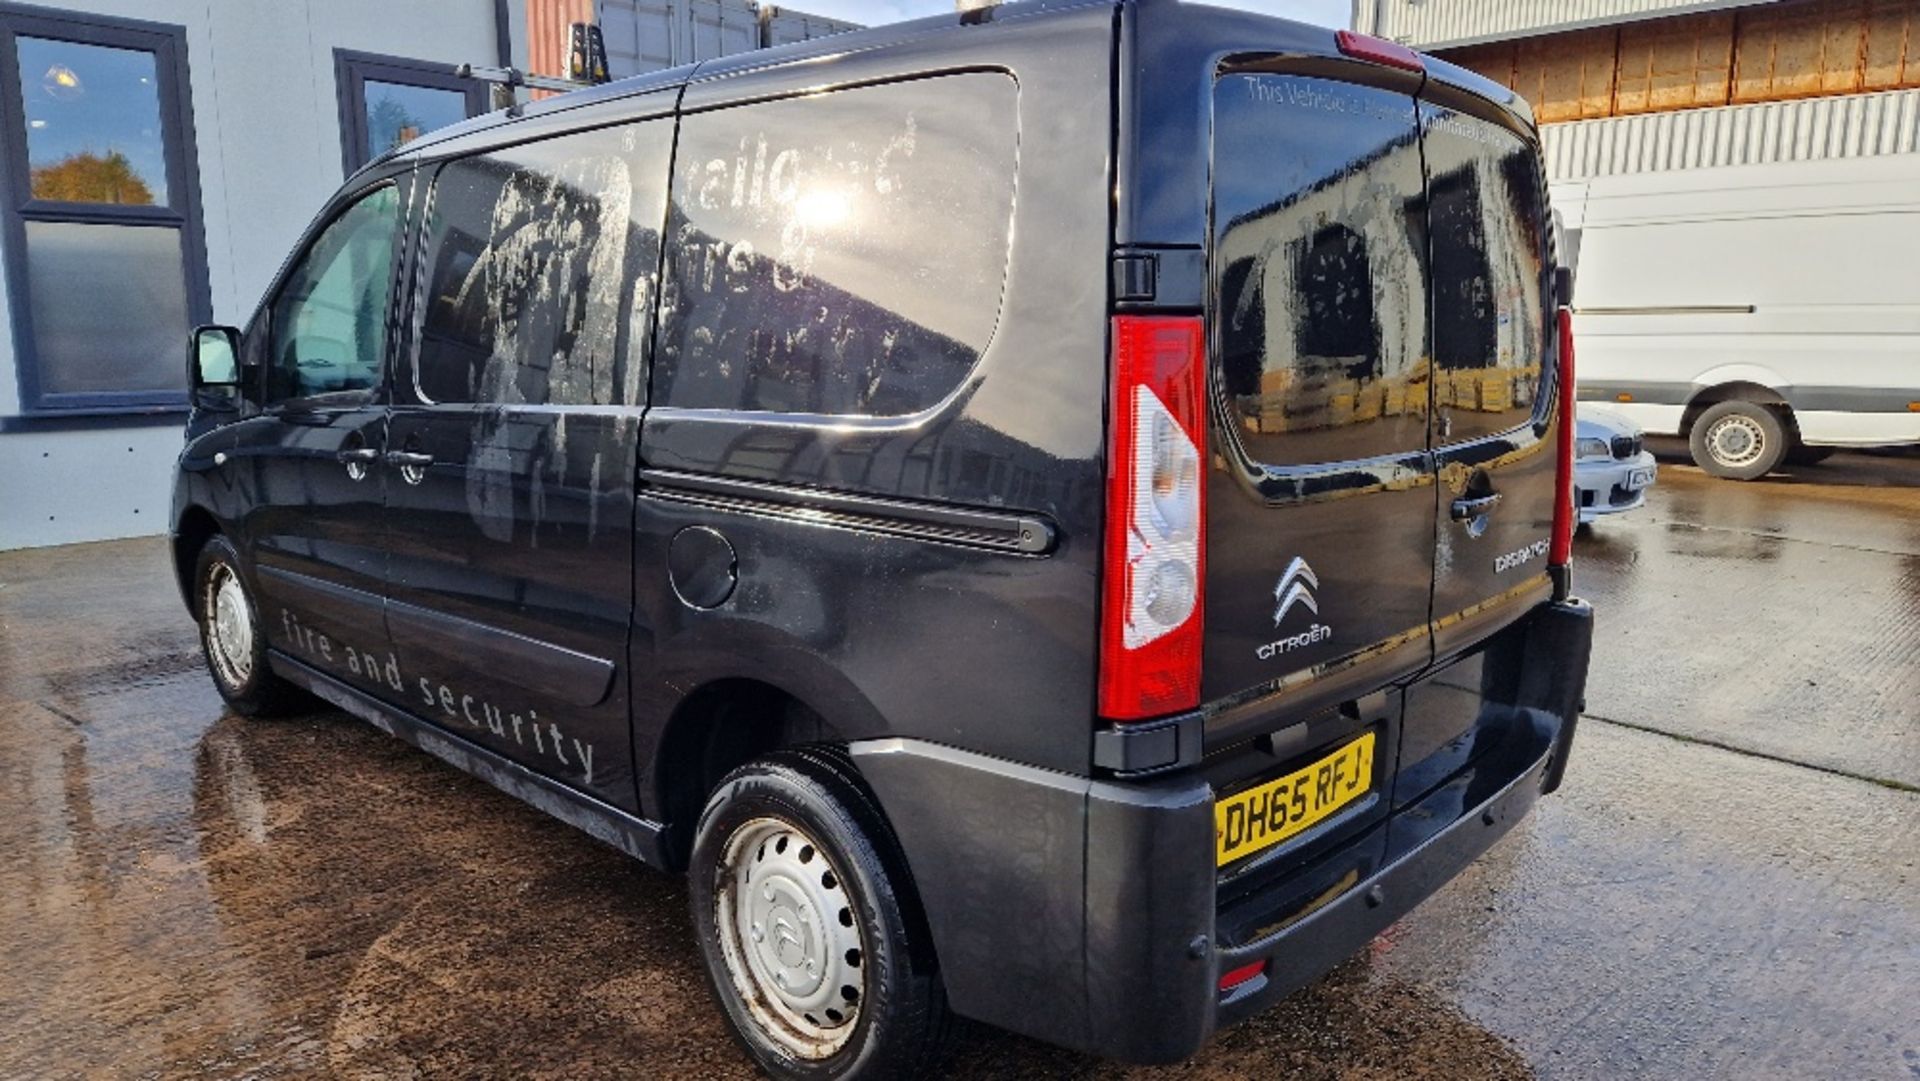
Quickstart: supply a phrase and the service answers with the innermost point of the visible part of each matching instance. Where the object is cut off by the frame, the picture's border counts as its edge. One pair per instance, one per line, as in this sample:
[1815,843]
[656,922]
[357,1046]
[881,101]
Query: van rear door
[1320,524]
[1492,324]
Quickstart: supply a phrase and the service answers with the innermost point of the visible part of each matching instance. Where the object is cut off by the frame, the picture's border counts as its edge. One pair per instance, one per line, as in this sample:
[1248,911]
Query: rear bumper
[1083,912]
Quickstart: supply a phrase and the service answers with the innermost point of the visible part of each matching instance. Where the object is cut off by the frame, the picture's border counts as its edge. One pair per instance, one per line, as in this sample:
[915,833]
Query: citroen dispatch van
[1058,515]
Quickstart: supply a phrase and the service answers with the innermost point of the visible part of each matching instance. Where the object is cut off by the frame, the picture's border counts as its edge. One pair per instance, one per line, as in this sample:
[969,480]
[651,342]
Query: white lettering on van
[550,740]
[1520,558]
[1312,636]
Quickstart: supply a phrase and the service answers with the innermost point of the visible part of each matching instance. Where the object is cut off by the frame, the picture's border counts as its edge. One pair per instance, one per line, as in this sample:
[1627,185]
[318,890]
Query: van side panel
[894,622]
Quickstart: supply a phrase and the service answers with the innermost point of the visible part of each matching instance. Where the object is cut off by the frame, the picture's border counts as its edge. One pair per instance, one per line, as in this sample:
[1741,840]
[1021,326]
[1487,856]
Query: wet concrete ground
[1729,885]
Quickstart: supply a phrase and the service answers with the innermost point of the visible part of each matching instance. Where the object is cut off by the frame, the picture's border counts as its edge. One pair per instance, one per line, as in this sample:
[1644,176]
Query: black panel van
[1058,515]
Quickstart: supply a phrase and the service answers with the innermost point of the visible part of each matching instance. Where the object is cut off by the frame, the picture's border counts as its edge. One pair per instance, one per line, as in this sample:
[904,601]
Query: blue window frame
[104,253]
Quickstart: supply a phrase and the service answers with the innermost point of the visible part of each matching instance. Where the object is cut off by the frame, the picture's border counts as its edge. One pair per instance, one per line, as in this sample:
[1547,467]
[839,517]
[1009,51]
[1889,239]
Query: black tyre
[1801,454]
[233,637]
[813,940]
[1740,440]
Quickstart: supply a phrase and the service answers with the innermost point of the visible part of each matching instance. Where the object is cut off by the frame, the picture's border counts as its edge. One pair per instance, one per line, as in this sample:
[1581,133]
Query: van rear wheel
[813,941]
[1740,440]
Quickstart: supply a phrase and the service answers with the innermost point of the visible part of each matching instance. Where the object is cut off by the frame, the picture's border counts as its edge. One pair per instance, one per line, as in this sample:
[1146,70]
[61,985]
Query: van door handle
[1465,510]
[405,458]
[358,456]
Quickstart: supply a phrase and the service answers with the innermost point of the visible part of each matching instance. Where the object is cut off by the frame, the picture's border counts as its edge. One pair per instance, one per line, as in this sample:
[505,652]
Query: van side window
[328,328]
[1320,248]
[1489,252]
[542,261]
[840,254]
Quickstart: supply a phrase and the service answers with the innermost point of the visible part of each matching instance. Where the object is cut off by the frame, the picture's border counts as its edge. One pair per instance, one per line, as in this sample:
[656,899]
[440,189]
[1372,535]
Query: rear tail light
[1156,519]
[1564,517]
[1379,51]
[1243,974]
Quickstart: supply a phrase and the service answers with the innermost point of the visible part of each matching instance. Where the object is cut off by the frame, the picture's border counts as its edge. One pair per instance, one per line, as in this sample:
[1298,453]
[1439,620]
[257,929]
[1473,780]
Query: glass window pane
[94,133]
[544,260]
[329,329]
[109,307]
[1321,289]
[841,254]
[1489,275]
[397,114]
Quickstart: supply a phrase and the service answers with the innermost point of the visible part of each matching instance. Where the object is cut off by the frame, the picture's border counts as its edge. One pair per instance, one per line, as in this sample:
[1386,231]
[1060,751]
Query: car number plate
[1265,815]
[1639,479]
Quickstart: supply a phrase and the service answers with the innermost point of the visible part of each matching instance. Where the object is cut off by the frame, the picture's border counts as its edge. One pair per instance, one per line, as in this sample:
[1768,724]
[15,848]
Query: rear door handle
[1465,510]
[404,458]
[358,456]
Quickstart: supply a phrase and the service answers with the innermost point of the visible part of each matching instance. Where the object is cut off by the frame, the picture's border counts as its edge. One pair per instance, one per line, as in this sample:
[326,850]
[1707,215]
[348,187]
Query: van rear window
[838,254]
[1319,247]
[1489,275]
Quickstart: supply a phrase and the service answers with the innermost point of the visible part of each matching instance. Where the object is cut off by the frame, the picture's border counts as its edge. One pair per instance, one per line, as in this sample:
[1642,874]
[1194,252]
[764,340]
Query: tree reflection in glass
[94,131]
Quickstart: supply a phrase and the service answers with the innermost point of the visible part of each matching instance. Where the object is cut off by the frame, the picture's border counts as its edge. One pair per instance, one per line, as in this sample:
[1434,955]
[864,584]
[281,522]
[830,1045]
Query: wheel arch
[718,726]
[1738,390]
[196,527]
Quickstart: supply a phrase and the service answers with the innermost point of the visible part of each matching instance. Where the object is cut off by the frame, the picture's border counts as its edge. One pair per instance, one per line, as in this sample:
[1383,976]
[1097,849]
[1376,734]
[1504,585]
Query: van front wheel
[813,942]
[233,638]
[1740,440]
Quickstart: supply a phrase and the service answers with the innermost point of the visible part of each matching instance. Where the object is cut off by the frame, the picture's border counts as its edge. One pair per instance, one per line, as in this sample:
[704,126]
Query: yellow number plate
[1264,816]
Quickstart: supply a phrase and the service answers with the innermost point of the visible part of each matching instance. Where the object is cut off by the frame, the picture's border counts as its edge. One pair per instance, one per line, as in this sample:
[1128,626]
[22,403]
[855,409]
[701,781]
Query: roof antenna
[975,12]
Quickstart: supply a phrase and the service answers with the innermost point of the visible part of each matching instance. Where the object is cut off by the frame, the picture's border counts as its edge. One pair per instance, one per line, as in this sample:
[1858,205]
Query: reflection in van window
[842,254]
[542,260]
[1489,258]
[1320,249]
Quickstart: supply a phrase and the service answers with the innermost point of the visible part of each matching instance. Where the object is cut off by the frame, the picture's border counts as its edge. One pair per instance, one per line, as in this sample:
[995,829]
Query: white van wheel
[1739,440]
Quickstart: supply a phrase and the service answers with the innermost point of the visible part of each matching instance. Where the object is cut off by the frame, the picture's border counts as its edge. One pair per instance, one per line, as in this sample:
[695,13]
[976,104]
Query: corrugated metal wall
[785,27]
[648,35]
[1856,126]
[1806,48]
[1430,23]
[548,36]
[641,36]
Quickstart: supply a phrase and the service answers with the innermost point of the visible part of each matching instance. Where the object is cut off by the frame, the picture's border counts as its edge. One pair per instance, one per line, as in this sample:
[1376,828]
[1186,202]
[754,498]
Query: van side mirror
[213,368]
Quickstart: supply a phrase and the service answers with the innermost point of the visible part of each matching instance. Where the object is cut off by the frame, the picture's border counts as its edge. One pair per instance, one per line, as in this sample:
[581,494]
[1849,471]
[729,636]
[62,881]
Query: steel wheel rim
[790,938]
[1737,441]
[229,626]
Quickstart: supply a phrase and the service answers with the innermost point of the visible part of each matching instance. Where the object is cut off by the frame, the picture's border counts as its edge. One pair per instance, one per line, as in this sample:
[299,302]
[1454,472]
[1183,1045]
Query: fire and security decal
[544,738]
[1296,591]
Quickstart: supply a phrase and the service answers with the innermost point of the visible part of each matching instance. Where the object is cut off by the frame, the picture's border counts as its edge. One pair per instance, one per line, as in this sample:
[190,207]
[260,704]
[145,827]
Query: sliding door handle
[1465,510]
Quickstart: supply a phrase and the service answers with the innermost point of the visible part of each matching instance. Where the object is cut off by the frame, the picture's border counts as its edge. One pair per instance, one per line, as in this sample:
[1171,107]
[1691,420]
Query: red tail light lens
[1564,517]
[1156,519]
[1243,974]
[1379,51]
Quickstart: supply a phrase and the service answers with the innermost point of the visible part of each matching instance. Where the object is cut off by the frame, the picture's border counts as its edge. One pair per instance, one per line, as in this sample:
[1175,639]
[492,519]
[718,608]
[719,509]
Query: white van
[1768,313]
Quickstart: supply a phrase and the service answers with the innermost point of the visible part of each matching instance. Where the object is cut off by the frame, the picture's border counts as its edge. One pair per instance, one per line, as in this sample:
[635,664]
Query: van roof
[1200,30]
[815,50]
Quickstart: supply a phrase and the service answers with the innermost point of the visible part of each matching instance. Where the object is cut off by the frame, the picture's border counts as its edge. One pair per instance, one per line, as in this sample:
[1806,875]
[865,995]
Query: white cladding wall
[1810,129]
[1430,24]
[267,134]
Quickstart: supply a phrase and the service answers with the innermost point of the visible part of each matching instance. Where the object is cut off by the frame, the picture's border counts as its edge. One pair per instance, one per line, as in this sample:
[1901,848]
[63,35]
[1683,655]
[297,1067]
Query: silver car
[1612,468]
